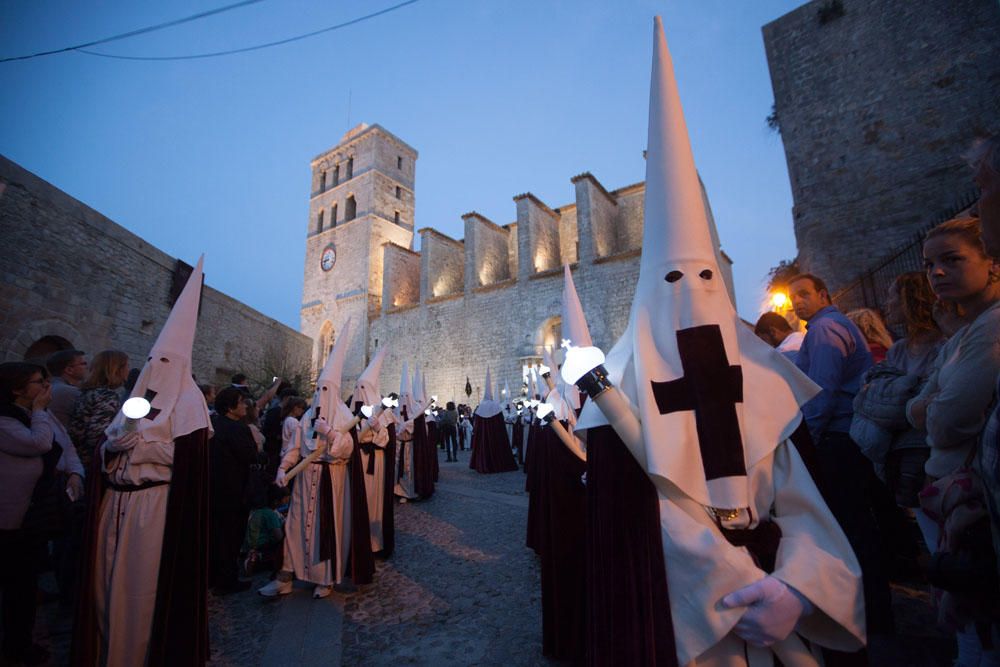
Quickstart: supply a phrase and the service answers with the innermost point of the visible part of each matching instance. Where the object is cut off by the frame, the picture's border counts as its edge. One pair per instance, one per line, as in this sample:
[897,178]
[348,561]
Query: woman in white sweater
[956,401]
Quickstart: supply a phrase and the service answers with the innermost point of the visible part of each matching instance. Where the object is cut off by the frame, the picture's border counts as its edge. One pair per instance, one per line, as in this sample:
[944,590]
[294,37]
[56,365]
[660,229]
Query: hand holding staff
[323,428]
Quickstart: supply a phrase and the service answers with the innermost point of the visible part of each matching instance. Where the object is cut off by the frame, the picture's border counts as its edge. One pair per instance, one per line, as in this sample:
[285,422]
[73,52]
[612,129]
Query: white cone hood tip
[487,407]
[327,397]
[366,389]
[177,406]
[681,289]
[405,396]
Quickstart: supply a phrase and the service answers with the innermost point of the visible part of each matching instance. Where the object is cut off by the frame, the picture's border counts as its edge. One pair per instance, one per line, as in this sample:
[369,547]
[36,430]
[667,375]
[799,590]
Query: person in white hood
[143,593]
[749,564]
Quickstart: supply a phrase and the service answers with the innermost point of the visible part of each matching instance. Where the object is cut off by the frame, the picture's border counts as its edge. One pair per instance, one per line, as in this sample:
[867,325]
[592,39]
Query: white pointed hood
[701,381]
[327,402]
[533,386]
[574,329]
[366,389]
[487,407]
[405,394]
[177,406]
[506,393]
[417,391]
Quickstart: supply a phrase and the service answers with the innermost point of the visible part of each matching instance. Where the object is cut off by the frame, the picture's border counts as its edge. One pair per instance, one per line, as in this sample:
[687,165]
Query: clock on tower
[328,258]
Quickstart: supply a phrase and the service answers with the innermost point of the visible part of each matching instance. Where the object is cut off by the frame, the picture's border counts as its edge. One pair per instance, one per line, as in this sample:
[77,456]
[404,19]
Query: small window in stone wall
[333,215]
[322,182]
[399,162]
[319,221]
[350,168]
[336,176]
[399,192]
[395,218]
[350,208]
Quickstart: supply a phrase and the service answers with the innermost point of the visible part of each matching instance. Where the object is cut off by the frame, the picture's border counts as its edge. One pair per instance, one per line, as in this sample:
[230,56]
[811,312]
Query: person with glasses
[27,450]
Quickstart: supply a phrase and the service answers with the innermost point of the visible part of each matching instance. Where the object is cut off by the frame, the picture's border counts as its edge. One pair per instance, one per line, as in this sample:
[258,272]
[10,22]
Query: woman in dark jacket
[27,452]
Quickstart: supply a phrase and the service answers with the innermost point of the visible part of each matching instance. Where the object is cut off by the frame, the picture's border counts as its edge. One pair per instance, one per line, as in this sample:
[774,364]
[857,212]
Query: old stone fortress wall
[73,277]
[458,305]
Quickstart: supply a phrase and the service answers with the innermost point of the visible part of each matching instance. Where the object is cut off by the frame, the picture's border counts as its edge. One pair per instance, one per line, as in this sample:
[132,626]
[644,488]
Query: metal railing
[870,289]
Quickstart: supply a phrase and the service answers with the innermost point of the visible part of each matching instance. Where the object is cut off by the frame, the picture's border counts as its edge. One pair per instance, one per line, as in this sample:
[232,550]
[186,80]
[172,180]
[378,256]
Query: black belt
[762,542]
[369,449]
[129,488]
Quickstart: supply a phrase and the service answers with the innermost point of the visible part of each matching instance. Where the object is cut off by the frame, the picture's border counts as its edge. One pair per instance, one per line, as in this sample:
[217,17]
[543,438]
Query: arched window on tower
[319,221]
[350,208]
[333,215]
[350,168]
[322,182]
[336,176]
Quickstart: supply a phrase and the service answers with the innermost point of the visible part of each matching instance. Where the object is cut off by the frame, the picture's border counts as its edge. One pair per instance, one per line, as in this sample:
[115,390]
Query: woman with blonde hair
[953,407]
[874,330]
[98,403]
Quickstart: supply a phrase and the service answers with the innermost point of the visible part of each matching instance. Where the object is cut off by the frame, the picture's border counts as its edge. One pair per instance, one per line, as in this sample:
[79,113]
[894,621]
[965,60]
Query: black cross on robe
[150,395]
[712,388]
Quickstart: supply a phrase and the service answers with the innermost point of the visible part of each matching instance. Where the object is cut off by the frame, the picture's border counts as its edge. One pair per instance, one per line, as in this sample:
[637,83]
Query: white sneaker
[275,588]
[322,591]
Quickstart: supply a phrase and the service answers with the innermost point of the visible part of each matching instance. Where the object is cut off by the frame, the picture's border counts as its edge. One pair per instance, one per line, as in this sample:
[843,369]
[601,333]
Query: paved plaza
[461,589]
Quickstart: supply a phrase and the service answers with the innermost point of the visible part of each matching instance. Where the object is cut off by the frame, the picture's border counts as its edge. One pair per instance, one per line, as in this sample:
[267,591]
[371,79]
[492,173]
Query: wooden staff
[571,442]
[320,450]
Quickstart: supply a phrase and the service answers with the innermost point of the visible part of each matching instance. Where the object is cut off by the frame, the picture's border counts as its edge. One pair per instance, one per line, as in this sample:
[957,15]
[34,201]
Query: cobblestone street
[461,589]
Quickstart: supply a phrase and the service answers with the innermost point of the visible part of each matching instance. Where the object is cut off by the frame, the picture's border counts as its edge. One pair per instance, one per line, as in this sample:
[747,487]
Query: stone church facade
[458,305]
[877,101]
[73,278]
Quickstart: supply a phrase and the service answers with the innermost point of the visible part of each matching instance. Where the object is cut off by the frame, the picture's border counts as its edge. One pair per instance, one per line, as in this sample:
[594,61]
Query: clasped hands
[772,611]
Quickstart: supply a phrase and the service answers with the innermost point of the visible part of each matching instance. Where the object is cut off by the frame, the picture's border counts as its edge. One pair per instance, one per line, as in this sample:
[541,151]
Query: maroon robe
[423,459]
[362,565]
[628,607]
[179,634]
[563,507]
[388,502]
[532,461]
[490,447]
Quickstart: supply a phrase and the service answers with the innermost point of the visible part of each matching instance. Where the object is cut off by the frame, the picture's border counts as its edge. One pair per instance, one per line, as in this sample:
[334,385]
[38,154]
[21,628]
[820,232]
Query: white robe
[377,433]
[129,541]
[814,558]
[303,526]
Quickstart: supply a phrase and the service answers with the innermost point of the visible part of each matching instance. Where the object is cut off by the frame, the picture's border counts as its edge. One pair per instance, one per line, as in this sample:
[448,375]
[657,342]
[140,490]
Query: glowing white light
[387,402]
[580,361]
[136,407]
[543,410]
[367,411]
[427,412]
[543,369]
[534,402]
[434,399]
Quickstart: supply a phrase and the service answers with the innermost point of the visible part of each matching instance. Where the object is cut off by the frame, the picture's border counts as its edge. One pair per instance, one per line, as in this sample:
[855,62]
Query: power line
[258,46]
[133,33]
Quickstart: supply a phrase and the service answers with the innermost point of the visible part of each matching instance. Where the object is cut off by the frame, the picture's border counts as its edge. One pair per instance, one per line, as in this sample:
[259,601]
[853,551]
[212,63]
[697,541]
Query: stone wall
[68,271]
[442,265]
[401,282]
[877,101]
[504,319]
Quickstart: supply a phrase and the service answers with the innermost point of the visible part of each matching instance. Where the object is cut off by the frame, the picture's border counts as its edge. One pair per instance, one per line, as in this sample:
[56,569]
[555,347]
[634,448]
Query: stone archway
[41,335]
[45,346]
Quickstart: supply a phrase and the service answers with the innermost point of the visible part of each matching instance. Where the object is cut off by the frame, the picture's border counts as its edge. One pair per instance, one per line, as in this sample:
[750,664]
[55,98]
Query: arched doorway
[324,344]
[45,346]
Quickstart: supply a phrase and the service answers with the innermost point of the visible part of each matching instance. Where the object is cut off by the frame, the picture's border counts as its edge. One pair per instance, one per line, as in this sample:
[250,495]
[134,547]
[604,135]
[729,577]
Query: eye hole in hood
[706,274]
[673,276]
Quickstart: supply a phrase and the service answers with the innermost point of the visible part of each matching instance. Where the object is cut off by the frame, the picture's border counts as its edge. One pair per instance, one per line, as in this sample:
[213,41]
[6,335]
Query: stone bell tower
[361,198]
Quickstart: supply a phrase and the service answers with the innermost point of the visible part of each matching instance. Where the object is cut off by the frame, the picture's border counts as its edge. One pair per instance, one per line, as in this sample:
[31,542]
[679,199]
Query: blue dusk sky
[499,97]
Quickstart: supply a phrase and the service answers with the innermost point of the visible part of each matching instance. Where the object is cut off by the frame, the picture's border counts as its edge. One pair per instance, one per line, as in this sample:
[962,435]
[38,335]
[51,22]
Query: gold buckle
[724,514]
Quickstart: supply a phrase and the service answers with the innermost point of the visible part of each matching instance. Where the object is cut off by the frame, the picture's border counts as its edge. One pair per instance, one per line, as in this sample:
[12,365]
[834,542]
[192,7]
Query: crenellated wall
[478,305]
[493,298]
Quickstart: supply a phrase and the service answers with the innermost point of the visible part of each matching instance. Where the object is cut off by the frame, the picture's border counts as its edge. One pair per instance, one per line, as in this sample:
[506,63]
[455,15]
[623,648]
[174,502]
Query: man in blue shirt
[835,356]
